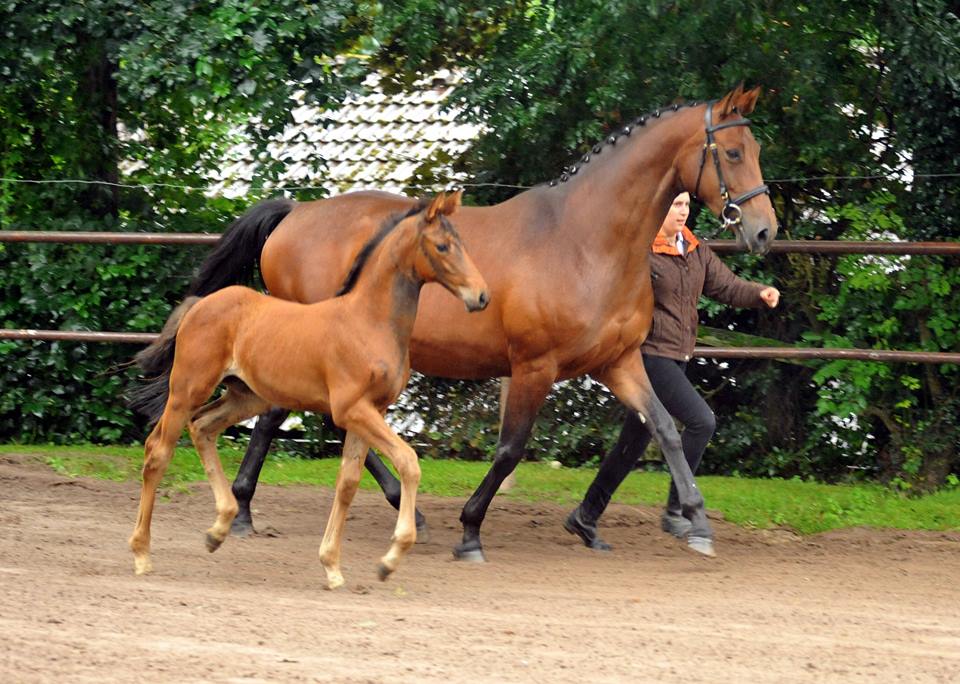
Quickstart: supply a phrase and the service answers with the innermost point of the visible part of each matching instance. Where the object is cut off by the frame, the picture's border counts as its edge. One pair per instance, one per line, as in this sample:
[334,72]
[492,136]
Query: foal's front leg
[348,479]
[368,423]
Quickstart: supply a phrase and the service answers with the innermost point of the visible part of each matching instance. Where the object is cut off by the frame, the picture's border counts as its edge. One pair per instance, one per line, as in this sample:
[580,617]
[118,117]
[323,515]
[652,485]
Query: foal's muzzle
[475,301]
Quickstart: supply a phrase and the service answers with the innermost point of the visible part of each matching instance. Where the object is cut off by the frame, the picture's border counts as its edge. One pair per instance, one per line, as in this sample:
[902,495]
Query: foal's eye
[444,247]
[733,155]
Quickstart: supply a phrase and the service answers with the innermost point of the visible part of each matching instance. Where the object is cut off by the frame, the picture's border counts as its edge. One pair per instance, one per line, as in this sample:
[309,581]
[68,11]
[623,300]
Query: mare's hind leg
[245,483]
[348,479]
[158,451]
[368,424]
[237,403]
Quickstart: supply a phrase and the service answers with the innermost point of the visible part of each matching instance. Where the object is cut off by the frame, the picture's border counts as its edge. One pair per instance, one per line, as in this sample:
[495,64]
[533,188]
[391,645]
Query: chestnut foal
[347,357]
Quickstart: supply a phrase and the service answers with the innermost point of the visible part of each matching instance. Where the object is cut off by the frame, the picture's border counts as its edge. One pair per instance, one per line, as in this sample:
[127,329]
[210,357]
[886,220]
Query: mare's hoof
[242,528]
[142,567]
[423,532]
[383,572]
[702,545]
[587,533]
[470,552]
[213,543]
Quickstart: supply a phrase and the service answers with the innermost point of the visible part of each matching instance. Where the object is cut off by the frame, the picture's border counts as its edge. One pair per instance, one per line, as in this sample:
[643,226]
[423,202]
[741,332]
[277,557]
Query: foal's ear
[435,207]
[444,204]
[451,203]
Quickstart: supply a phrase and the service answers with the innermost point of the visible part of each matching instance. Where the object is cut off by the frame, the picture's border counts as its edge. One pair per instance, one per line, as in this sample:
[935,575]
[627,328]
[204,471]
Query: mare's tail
[156,362]
[237,252]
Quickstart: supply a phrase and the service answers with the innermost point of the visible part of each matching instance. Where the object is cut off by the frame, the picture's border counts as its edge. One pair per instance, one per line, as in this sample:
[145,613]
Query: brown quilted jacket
[678,282]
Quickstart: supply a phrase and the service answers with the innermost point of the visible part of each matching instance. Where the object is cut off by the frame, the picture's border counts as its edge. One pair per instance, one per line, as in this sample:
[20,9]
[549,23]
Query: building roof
[372,141]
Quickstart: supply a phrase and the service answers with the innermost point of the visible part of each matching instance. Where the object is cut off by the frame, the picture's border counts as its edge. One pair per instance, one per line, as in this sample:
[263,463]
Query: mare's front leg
[528,389]
[628,380]
[245,483]
[348,480]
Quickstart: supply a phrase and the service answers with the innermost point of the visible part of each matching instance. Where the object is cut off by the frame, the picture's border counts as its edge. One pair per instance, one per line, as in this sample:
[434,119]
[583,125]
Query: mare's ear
[743,101]
[451,203]
[747,101]
[729,101]
[435,207]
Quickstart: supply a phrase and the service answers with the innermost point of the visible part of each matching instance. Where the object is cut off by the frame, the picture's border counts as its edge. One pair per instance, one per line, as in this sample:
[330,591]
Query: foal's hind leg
[237,403]
[348,479]
[368,424]
[158,451]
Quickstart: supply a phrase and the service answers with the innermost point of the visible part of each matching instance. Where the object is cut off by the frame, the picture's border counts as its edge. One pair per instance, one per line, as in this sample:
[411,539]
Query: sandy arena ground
[859,605]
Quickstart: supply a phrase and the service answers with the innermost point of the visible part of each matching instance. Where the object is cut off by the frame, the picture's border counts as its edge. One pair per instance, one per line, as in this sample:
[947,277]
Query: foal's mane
[610,140]
[363,256]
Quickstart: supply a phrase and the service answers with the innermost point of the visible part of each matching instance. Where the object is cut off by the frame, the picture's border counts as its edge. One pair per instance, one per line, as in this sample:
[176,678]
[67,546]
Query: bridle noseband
[731,212]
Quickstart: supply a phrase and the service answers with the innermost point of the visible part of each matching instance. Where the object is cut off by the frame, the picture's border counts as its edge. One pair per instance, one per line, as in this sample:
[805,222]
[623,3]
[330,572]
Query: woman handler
[682,269]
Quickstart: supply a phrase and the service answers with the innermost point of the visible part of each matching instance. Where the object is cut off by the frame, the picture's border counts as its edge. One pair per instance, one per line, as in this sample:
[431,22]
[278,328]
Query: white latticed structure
[375,141]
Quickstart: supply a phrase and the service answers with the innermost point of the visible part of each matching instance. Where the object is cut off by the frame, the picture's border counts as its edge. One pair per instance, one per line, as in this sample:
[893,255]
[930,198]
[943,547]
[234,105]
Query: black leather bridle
[731,212]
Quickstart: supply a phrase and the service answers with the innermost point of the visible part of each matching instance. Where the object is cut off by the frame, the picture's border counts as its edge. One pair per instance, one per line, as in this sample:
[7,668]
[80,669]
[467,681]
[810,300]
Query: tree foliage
[147,94]
[859,119]
[858,97]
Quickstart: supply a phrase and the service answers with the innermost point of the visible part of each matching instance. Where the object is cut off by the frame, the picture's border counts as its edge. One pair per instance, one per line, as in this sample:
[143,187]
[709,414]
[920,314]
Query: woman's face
[677,216]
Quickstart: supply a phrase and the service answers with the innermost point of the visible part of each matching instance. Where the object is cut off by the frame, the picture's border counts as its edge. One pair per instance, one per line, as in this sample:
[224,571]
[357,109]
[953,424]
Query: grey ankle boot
[674,523]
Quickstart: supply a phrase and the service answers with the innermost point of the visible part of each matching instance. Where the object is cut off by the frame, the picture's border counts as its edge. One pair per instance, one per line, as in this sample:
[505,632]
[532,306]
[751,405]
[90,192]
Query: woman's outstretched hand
[770,296]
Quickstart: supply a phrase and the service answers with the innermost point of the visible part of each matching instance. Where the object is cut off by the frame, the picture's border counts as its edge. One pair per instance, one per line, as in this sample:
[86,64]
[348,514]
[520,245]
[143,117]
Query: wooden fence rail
[720,246]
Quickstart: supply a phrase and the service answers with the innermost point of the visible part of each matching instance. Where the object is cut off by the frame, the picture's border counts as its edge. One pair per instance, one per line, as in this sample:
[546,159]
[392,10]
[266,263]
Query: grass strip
[805,507]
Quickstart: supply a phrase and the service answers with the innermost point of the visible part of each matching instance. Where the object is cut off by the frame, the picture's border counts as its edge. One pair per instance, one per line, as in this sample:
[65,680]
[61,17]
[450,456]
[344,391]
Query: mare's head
[441,256]
[721,167]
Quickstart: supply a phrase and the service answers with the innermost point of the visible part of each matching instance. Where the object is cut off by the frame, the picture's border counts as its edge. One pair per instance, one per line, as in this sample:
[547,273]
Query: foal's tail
[156,362]
[237,252]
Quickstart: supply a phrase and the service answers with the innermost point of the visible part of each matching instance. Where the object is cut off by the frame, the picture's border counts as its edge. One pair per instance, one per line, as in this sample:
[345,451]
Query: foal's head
[441,257]
[731,166]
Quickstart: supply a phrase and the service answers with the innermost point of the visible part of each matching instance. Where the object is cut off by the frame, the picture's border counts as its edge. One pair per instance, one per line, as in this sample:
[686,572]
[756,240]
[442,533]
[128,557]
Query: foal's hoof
[383,572]
[242,528]
[142,566]
[212,543]
[702,545]
[423,532]
[470,552]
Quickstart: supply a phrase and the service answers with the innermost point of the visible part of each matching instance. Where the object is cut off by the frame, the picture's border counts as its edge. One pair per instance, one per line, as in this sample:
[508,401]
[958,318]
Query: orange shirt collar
[662,245]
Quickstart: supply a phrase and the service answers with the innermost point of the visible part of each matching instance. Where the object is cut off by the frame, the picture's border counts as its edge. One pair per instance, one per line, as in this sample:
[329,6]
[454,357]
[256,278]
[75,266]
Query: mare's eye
[733,155]
[444,247]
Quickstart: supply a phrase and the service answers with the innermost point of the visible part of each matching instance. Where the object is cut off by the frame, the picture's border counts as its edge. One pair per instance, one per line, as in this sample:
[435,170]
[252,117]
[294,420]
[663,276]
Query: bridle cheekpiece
[731,212]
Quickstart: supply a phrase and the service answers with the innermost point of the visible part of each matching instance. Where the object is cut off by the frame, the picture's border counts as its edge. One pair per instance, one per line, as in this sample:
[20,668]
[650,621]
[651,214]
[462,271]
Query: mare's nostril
[484,300]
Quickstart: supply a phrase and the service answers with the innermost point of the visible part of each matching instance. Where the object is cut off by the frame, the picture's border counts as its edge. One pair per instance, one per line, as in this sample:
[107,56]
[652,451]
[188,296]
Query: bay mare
[347,357]
[569,276]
